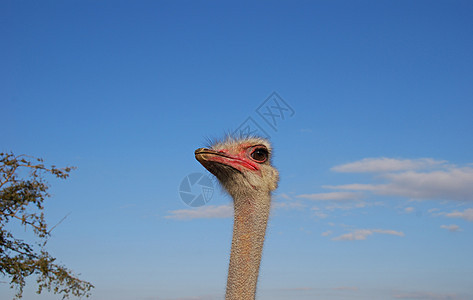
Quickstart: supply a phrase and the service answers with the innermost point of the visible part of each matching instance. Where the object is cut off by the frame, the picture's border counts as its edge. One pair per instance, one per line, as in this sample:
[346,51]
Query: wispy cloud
[384,164]
[287,205]
[340,200]
[327,233]
[467,214]
[362,234]
[301,288]
[404,178]
[204,212]
[282,196]
[318,213]
[223,211]
[350,205]
[331,196]
[451,227]
[427,296]
[305,288]
[346,288]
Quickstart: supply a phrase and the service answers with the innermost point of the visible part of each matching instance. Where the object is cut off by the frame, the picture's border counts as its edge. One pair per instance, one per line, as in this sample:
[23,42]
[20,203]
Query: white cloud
[350,205]
[282,196]
[362,234]
[346,288]
[287,205]
[384,164]
[222,211]
[451,227]
[453,183]
[320,214]
[409,210]
[427,296]
[467,214]
[336,201]
[327,233]
[305,230]
[286,202]
[303,288]
[331,196]
[204,212]
[354,187]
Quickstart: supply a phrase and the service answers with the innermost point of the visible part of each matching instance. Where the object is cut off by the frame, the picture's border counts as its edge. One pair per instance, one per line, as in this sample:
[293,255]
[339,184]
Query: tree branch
[9,176]
[49,232]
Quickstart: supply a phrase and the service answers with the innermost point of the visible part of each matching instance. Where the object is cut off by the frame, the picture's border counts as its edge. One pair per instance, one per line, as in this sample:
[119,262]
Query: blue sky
[376,193]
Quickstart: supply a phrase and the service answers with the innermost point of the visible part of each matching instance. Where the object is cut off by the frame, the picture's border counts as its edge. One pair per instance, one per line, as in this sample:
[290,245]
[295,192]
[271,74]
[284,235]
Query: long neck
[250,220]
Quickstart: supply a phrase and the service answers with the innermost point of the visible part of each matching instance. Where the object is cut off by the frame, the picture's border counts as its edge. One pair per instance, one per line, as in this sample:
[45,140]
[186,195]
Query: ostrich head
[243,166]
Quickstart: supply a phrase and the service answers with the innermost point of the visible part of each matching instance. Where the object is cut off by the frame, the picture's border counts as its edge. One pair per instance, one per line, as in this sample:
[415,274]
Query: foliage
[23,190]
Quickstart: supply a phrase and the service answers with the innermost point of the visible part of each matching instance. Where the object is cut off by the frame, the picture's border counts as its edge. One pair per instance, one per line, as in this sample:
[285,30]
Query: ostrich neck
[249,227]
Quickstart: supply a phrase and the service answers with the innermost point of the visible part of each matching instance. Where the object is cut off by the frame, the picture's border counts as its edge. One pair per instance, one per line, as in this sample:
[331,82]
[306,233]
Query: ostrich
[243,168]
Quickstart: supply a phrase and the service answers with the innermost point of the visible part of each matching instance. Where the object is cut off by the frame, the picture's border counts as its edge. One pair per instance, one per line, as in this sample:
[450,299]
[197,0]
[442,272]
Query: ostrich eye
[260,155]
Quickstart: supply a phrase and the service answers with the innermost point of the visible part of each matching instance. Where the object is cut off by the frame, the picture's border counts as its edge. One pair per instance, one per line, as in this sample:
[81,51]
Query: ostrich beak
[209,158]
[201,150]
[203,154]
